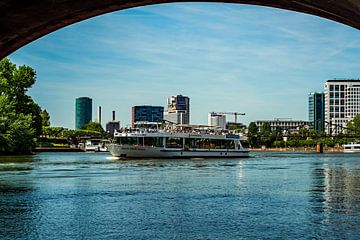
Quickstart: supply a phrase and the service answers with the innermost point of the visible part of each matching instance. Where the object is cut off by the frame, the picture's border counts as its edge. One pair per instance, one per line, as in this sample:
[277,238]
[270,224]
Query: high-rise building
[217,120]
[317,111]
[342,104]
[147,115]
[178,110]
[83,111]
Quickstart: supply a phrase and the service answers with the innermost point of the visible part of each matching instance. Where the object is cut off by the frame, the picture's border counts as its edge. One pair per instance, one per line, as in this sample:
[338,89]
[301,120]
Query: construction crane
[230,113]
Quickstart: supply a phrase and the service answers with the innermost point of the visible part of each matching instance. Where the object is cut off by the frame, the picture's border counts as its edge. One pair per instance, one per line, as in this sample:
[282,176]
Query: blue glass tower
[317,111]
[83,111]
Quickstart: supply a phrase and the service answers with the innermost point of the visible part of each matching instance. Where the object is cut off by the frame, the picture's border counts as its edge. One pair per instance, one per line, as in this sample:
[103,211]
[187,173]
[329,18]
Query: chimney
[99,115]
[113,115]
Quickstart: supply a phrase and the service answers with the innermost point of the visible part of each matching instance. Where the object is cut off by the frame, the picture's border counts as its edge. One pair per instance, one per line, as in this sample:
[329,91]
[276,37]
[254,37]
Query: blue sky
[225,57]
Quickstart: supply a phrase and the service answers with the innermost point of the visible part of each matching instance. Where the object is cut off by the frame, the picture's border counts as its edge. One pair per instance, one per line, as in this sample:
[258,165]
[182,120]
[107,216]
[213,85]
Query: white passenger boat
[167,144]
[353,147]
[96,145]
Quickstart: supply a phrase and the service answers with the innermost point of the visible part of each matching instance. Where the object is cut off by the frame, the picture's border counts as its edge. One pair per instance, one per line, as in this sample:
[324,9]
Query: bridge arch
[24,21]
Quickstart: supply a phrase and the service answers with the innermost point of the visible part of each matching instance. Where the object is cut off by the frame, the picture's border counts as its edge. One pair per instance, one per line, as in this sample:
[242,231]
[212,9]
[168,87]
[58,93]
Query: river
[271,196]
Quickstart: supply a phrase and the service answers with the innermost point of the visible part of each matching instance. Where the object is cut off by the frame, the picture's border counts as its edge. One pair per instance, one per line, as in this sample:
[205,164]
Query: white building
[178,110]
[285,124]
[217,120]
[342,104]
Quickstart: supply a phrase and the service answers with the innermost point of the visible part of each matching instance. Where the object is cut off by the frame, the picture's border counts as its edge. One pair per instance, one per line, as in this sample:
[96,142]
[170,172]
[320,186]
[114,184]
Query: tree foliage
[354,126]
[20,116]
[45,118]
[93,126]
[253,135]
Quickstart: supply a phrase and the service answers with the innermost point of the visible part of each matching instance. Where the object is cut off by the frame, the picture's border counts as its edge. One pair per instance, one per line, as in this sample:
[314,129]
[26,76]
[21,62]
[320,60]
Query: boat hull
[124,151]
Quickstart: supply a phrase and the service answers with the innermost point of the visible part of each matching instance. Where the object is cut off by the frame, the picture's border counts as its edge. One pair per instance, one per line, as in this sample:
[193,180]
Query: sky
[226,57]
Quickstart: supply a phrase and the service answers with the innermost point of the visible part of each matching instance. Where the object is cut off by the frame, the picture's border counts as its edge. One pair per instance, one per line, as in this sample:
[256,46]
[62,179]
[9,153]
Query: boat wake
[113,158]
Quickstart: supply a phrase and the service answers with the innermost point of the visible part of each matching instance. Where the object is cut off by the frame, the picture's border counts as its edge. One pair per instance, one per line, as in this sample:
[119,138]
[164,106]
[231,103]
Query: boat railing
[193,131]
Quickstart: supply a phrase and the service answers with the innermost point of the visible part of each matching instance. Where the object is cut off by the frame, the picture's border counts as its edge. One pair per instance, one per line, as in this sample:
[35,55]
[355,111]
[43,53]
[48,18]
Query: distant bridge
[23,21]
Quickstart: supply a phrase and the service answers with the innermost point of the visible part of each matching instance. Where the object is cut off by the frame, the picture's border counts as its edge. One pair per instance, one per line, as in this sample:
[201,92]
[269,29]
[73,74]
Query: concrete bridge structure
[23,21]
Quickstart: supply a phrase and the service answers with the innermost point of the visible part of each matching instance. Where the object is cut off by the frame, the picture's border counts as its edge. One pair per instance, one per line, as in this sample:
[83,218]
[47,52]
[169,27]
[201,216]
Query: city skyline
[225,57]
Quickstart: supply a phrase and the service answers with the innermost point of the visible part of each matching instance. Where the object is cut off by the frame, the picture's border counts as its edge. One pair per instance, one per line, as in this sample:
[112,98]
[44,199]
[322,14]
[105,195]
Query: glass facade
[178,109]
[147,114]
[317,111]
[83,111]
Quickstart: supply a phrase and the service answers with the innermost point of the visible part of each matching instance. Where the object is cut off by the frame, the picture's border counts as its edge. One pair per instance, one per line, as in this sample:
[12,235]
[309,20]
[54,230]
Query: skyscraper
[83,111]
[342,104]
[317,111]
[178,109]
[147,115]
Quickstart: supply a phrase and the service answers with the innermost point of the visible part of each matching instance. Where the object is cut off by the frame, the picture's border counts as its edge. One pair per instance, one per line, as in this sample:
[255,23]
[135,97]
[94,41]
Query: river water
[270,196]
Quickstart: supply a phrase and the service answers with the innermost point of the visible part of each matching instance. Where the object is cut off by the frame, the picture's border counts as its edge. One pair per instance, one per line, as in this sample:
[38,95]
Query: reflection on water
[87,196]
[336,195]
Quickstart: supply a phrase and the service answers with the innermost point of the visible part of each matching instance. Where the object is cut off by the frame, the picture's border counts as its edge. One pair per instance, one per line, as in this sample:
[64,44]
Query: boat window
[153,141]
[210,143]
[129,141]
[357,147]
[174,142]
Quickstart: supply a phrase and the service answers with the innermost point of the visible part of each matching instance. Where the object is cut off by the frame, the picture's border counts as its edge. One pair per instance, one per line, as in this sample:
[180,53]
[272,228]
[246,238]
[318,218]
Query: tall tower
[83,111]
[99,115]
[317,111]
[178,109]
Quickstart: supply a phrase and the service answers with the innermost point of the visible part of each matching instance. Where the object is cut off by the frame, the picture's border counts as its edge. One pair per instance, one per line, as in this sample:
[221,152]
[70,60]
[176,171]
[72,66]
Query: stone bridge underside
[23,21]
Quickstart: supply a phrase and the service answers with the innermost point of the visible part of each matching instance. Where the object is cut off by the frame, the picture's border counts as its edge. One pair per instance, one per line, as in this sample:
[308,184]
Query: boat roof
[205,135]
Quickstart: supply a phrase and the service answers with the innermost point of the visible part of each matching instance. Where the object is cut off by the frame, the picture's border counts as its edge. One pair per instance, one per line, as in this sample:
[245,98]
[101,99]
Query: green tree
[265,129]
[93,126]
[354,126]
[279,144]
[45,118]
[253,135]
[20,116]
[266,137]
[14,83]
[16,134]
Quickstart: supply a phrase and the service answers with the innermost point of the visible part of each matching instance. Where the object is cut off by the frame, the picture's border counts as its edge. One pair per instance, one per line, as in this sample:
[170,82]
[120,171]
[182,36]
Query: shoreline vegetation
[298,149]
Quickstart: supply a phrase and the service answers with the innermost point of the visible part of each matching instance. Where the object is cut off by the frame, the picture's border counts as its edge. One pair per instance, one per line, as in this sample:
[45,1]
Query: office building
[216,120]
[178,110]
[284,124]
[83,111]
[317,111]
[342,104]
[147,116]
[113,125]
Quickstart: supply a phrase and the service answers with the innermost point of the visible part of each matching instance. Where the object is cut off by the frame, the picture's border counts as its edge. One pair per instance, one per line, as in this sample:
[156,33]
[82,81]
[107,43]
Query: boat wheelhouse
[353,147]
[173,144]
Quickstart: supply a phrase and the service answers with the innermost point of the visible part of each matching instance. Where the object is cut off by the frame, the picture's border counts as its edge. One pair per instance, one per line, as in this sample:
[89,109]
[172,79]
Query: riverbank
[57,149]
[299,150]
